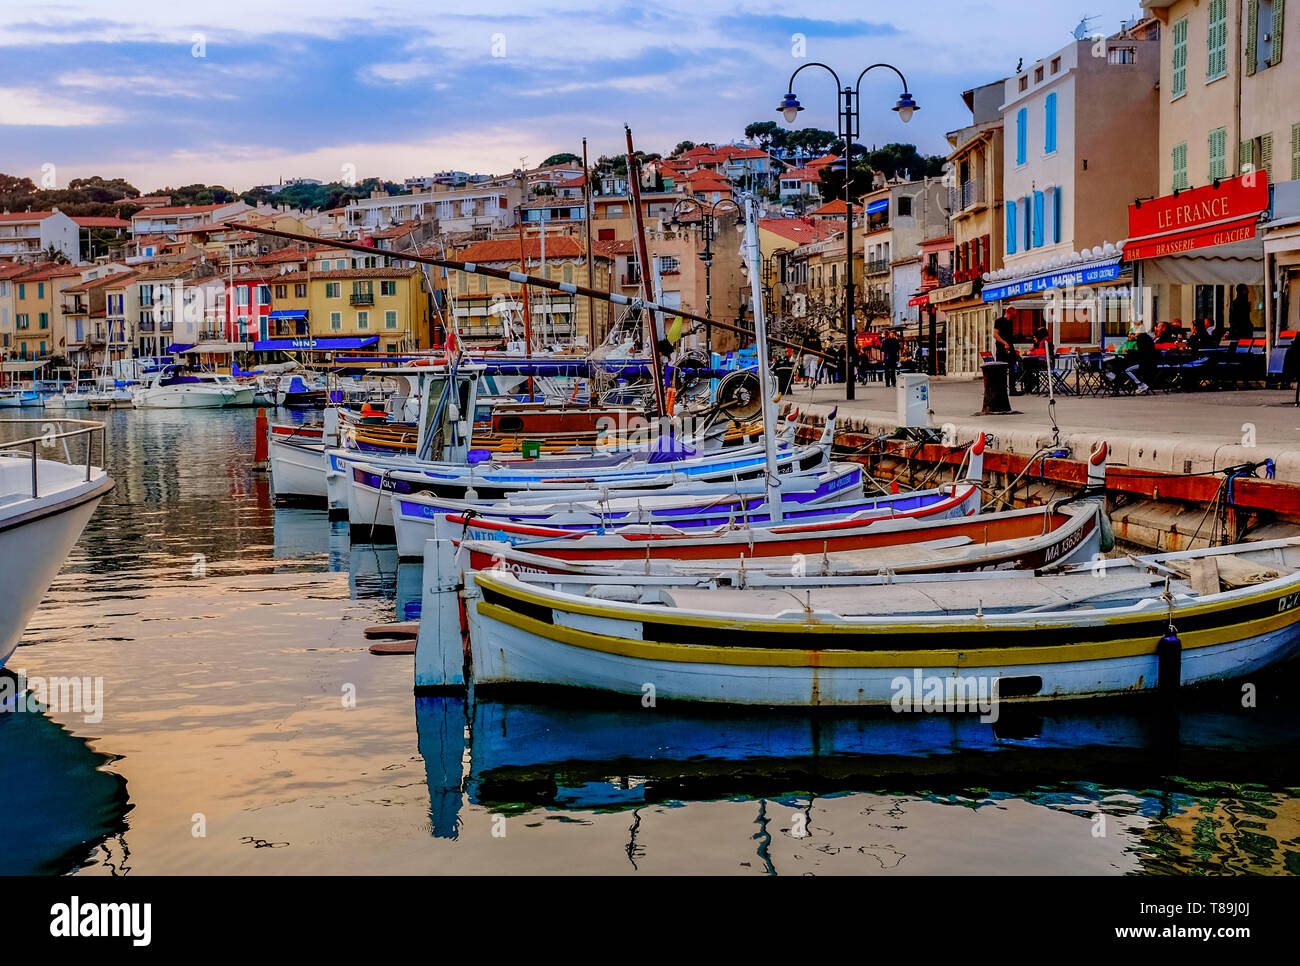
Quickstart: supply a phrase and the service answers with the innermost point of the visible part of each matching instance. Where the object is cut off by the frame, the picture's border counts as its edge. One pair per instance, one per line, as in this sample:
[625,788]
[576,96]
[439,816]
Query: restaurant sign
[1198,218]
[1091,274]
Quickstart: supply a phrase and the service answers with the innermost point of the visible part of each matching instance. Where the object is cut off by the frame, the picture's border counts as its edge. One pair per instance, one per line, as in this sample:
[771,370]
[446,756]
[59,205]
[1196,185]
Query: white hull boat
[37,532]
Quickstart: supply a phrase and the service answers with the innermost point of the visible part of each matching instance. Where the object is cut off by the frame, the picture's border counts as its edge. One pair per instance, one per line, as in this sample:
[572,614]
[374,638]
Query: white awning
[217,348]
[22,365]
[1238,263]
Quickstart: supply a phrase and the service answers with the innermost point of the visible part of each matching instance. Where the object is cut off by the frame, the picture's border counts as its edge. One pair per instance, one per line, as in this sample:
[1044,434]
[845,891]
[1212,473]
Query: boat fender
[1169,663]
[1106,542]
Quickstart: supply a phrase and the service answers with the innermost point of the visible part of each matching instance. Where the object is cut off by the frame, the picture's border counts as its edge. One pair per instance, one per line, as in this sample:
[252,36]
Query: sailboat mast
[634,191]
[755,259]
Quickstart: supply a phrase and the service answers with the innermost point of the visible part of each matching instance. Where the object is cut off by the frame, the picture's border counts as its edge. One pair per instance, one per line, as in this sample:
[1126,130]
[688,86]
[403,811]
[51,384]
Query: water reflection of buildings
[1225,829]
[59,808]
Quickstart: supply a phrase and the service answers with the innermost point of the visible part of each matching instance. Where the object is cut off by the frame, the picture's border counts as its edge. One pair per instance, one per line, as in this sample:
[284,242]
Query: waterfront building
[472,208]
[91,336]
[1079,129]
[1228,112]
[975,202]
[38,308]
[388,308]
[170,220]
[25,236]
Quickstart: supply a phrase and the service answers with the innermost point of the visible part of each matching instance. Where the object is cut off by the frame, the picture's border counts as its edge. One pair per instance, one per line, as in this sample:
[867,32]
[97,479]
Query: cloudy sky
[245,92]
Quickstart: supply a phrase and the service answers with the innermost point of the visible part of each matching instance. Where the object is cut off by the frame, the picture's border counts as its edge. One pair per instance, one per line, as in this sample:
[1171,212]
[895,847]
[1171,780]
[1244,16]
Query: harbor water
[244,727]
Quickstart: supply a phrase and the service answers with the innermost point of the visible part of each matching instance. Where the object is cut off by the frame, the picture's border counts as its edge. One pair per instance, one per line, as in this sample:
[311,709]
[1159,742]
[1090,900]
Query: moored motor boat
[18,398]
[1110,627]
[44,506]
[174,387]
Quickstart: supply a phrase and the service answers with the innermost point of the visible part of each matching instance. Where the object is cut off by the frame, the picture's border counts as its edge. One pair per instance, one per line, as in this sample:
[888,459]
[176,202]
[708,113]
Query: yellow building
[38,309]
[389,304]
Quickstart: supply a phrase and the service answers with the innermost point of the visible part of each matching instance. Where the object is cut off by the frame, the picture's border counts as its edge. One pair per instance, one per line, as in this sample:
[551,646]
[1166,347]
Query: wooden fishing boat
[1107,628]
[1032,538]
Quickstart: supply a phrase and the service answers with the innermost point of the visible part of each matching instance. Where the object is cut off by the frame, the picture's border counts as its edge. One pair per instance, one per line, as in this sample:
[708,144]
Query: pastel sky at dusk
[289,89]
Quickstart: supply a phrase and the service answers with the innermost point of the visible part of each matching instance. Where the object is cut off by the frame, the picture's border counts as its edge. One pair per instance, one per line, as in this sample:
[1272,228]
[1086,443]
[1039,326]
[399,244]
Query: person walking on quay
[889,345]
[1239,324]
[1004,350]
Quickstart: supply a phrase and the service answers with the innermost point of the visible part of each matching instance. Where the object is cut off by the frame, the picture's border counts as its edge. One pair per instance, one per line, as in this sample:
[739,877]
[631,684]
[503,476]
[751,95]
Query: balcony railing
[145,326]
[629,280]
[968,195]
[362,298]
[877,266]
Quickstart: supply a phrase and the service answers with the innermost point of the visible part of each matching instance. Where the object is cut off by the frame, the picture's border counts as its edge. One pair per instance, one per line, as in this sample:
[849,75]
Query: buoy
[893,486]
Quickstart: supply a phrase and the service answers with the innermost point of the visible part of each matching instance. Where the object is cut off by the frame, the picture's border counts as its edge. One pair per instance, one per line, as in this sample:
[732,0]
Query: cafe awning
[1091,272]
[218,348]
[962,290]
[288,315]
[1240,263]
[308,343]
[878,206]
[22,365]
[1204,235]
[922,299]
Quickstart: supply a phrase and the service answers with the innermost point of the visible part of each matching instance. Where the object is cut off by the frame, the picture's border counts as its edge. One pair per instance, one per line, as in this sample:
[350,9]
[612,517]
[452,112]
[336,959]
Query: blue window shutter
[1038,219]
[1011,227]
[1022,135]
[1050,123]
[1056,215]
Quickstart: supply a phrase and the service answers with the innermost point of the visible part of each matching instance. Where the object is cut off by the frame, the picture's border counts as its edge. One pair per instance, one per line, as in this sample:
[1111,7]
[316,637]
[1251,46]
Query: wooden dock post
[439,653]
[261,454]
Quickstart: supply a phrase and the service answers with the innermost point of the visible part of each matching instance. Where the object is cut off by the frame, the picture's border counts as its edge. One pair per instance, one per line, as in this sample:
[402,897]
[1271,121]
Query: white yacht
[44,506]
[174,387]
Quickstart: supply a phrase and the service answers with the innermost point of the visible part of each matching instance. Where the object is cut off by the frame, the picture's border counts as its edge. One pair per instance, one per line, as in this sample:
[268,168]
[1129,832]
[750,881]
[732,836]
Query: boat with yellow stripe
[1109,627]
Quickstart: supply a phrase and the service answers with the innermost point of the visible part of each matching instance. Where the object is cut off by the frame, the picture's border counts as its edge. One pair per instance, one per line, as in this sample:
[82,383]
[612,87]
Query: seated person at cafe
[1201,338]
[1141,363]
[1034,365]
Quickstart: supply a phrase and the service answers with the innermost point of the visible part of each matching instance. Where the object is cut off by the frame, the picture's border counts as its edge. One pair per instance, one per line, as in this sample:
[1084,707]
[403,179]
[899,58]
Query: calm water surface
[240,702]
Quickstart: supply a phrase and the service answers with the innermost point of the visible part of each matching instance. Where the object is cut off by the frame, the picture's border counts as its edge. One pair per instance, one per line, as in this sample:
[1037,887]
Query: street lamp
[707,214]
[848,105]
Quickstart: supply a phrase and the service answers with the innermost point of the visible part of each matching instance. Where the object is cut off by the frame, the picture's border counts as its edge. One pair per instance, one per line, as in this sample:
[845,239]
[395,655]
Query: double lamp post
[850,126]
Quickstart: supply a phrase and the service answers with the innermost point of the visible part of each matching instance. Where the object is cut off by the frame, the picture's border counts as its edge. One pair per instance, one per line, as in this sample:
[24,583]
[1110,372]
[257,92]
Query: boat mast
[591,279]
[634,191]
[528,315]
[754,257]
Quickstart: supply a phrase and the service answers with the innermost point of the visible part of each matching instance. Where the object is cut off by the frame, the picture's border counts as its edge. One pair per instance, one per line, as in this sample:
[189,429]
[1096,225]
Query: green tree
[768,134]
[565,158]
[52,254]
[895,160]
[681,148]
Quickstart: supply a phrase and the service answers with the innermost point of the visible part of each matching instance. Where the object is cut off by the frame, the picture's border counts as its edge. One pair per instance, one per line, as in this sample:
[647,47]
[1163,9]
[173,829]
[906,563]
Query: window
[1056,65]
[40,290]
[333,290]
[281,291]
[1011,227]
[1179,85]
[22,290]
[1049,121]
[325,265]
[263,295]
[44,321]
[667,265]
[363,321]
[1256,155]
[1262,39]
[1180,166]
[22,320]
[1027,218]
[614,211]
[1038,75]
[1121,55]
[300,290]
[1218,144]
[904,206]
[387,288]
[340,263]
[1022,135]
[1024,82]
[568,272]
[390,319]
[241,295]
[1216,41]
[336,321]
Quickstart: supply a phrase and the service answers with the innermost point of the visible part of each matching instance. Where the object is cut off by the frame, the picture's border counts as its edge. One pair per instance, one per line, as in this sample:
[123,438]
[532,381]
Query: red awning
[1204,236]
[919,299]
